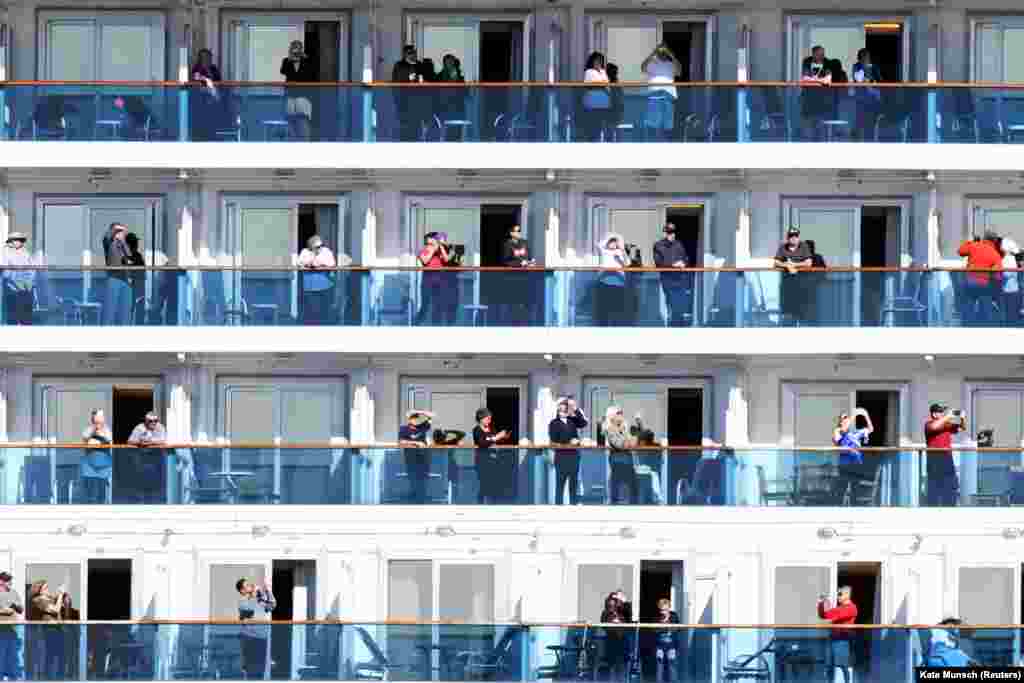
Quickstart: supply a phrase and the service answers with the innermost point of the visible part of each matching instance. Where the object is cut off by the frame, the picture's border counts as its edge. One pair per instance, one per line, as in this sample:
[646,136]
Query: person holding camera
[676,286]
[943,488]
[853,471]
[980,288]
[610,297]
[518,287]
[435,300]
[623,486]
[841,656]
[565,430]
[495,469]
[412,436]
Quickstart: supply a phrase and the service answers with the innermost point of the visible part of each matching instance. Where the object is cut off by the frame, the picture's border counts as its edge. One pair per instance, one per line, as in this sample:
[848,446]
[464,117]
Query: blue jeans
[661,112]
[678,302]
[10,653]
[117,308]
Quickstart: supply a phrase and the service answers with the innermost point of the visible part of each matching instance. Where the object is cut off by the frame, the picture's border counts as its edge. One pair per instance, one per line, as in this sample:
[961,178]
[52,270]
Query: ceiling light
[627,532]
[827,533]
[1011,534]
[77,529]
[446,531]
[260,531]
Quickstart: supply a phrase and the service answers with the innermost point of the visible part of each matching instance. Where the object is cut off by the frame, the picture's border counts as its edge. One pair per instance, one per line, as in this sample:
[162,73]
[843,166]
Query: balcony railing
[384,474]
[502,297]
[513,112]
[332,650]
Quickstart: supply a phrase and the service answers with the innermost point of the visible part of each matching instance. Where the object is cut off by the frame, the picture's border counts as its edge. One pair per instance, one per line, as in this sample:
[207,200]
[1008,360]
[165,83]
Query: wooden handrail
[517,84]
[393,445]
[521,624]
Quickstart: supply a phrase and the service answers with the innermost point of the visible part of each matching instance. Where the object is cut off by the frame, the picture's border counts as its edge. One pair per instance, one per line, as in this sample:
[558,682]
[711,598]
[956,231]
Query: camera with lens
[456,254]
[639,431]
[986,438]
[636,259]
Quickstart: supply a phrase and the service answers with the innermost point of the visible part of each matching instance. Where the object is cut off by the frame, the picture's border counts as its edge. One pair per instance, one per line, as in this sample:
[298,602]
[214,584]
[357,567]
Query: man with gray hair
[149,466]
[841,650]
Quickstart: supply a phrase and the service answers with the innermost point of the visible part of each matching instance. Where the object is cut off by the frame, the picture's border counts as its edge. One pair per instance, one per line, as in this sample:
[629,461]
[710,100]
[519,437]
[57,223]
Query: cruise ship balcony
[530,474]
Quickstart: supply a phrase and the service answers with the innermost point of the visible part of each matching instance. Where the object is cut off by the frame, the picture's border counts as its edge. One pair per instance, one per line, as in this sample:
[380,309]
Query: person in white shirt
[1011,303]
[318,284]
[597,101]
[662,67]
[610,294]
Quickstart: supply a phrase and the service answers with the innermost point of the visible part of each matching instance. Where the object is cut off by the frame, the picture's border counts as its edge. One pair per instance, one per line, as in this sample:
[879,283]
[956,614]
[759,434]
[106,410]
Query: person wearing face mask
[19,285]
[97,464]
[436,302]
[297,67]
[564,430]
[518,288]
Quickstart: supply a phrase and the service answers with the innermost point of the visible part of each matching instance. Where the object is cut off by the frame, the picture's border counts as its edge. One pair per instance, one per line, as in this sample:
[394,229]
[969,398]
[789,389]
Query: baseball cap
[4,576]
[937,408]
[793,231]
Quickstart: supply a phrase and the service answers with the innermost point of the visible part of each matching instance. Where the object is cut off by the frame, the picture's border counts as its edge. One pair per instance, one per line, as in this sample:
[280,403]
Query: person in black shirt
[564,430]
[666,644]
[518,290]
[297,67]
[792,257]
[492,466]
[677,287]
[413,436]
[118,305]
[413,107]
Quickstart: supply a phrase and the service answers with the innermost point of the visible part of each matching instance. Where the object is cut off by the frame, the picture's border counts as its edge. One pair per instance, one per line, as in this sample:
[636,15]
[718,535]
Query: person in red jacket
[980,287]
[845,612]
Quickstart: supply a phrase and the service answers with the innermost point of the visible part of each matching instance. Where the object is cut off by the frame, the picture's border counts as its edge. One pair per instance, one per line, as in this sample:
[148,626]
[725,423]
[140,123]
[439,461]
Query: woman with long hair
[597,102]
[610,294]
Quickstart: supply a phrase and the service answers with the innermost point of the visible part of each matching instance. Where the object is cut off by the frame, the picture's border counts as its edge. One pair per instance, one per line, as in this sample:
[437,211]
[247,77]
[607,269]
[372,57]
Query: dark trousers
[609,305]
[979,308]
[496,472]
[18,306]
[567,470]
[624,486]
[316,307]
[794,296]
[118,305]
[139,476]
[10,653]
[1011,307]
[943,487]
[681,467]
[665,663]
[254,657]
[47,652]
[677,299]
[437,301]
[594,123]
[417,469]
[852,477]
[93,491]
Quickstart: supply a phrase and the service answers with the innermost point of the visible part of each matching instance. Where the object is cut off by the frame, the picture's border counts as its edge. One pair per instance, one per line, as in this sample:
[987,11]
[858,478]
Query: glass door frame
[959,564]
[797,24]
[976,23]
[598,21]
[414,22]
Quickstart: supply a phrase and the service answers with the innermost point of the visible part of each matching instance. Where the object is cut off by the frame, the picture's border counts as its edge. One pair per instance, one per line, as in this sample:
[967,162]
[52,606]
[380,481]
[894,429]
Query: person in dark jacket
[493,467]
[413,107]
[297,67]
[613,642]
[564,430]
[412,436]
[677,287]
[666,644]
[138,277]
[118,305]
[518,289]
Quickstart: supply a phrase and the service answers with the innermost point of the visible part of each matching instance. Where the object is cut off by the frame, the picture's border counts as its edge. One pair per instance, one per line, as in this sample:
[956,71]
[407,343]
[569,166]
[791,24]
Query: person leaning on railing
[412,436]
[19,285]
[792,256]
[980,288]
[149,465]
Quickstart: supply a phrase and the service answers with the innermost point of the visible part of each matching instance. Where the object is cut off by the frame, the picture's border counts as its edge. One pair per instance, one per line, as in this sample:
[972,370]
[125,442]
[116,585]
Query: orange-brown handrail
[498,269]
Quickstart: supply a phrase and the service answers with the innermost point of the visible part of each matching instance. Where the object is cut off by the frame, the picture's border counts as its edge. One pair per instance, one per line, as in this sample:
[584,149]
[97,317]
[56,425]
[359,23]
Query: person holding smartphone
[853,470]
[255,604]
[844,612]
[564,430]
[943,487]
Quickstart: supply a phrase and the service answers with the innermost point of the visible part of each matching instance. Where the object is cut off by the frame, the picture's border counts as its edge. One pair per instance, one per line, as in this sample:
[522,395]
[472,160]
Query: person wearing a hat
[1011,302]
[793,256]
[437,304]
[670,253]
[610,298]
[412,437]
[564,430]
[943,487]
[318,284]
[493,467]
[118,305]
[12,610]
[19,285]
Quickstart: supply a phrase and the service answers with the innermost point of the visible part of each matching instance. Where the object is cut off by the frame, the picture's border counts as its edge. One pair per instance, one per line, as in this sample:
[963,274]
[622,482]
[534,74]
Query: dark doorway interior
[319,219]
[688,221]
[287,576]
[322,40]
[109,590]
[503,402]
[886,48]
[496,220]
[864,579]
[656,578]
[879,247]
[678,35]
[882,406]
[501,51]
[686,428]
[130,407]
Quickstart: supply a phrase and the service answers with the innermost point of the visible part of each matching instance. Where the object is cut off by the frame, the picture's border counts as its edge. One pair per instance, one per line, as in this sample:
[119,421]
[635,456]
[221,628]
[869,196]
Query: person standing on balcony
[943,486]
[209,107]
[412,436]
[853,471]
[868,99]
[495,469]
[97,465]
[19,285]
[817,101]
[666,643]
[610,296]
[1011,300]
[318,284]
[623,486]
[844,613]
[149,465]
[662,67]
[564,430]
[982,255]
[518,287]
[12,610]
[435,298]
[597,102]
[138,277]
[47,643]
[118,305]
[254,605]
[676,286]
[297,67]
[413,107]
[792,257]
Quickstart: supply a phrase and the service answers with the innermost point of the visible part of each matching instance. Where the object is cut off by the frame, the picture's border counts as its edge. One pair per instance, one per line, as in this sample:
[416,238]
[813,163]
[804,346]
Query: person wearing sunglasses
[147,470]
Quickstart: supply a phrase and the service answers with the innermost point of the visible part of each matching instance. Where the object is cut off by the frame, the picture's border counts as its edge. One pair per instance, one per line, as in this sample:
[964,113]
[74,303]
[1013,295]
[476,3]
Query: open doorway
[130,407]
[109,598]
[496,220]
[865,582]
[879,248]
[884,40]
[883,407]
[109,586]
[686,39]
[294,586]
[658,580]
[503,402]
[322,220]
[689,222]
[501,51]
[322,41]
[685,428]
[138,476]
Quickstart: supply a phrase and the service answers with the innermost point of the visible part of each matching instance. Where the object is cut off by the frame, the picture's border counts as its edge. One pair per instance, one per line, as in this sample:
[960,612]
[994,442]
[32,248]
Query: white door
[101,46]
[272,413]
[990,594]
[998,55]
